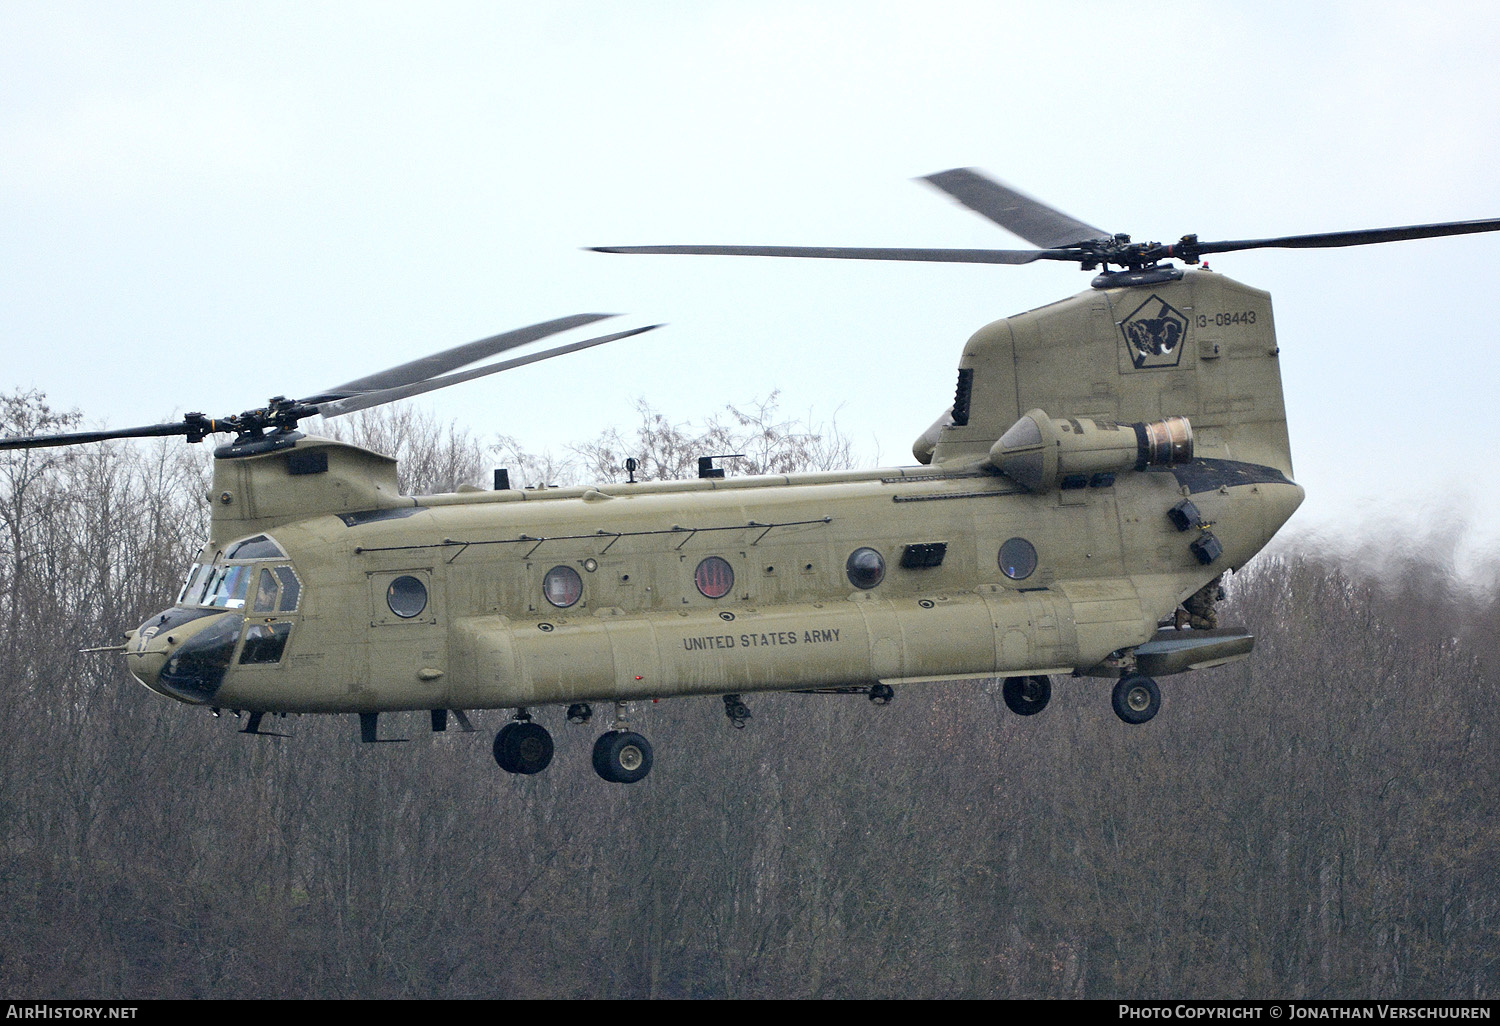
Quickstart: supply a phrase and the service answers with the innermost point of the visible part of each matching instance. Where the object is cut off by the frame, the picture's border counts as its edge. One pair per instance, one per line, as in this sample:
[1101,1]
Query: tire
[1026,696]
[502,749]
[622,757]
[1136,699]
[523,747]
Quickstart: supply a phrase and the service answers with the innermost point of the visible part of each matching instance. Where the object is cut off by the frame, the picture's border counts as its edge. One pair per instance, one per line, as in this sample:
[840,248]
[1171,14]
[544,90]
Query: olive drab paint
[438,602]
[1079,358]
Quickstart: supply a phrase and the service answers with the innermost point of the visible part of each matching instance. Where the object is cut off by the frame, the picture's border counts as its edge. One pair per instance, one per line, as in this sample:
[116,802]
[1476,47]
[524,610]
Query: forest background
[1318,821]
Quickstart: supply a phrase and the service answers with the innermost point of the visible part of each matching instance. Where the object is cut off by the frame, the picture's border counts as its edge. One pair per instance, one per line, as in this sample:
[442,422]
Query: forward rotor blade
[459,356]
[84,437]
[339,407]
[1363,237]
[1016,212]
[947,256]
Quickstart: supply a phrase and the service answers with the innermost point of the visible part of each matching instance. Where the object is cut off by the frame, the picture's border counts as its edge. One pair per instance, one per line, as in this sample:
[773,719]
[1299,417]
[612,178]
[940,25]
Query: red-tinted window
[714,577]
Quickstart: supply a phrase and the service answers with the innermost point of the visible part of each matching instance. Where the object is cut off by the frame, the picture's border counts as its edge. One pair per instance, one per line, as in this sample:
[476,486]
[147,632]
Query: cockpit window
[194,586]
[291,589]
[265,593]
[258,547]
[229,587]
[264,642]
[198,593]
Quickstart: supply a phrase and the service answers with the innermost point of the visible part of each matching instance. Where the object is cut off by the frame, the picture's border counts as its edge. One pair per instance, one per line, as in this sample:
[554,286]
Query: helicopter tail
[1198,345]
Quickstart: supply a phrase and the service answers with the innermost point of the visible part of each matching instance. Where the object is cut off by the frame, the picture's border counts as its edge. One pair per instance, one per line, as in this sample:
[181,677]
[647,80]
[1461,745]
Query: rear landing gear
[524,747]
[1026,696]
[1136,699]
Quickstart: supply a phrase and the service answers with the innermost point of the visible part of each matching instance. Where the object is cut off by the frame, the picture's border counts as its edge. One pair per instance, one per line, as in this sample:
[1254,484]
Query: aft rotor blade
[339,407]
[1363,237]
[946,256]
[84,437]
[1016,212]
[459,356]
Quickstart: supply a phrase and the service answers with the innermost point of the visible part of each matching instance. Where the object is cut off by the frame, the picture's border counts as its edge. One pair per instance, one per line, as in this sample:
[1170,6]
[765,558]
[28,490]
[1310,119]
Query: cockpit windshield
[228,585]
[192,591]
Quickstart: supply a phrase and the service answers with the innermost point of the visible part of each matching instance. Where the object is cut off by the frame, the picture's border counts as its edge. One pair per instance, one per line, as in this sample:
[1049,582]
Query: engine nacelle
[1040,453]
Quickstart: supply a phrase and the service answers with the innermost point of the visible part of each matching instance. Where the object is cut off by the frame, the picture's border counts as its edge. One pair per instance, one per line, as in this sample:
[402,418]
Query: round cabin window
[407,597]
[1017,559]
[562,586]
[714,577]
[866,568]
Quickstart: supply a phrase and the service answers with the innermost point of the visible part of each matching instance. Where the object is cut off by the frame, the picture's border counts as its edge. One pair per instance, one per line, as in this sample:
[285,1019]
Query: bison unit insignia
[1155,334]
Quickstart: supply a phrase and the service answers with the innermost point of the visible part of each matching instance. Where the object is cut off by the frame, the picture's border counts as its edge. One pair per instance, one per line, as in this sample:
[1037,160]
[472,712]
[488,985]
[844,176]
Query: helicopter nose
[145,666]
[184,653]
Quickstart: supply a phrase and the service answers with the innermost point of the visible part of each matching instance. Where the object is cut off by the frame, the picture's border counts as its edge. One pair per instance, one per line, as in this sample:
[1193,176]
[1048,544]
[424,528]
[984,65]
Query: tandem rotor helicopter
[1105,460]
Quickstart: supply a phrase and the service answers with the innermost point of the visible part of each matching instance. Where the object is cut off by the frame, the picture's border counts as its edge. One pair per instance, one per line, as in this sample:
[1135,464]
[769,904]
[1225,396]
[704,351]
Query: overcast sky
[205,205]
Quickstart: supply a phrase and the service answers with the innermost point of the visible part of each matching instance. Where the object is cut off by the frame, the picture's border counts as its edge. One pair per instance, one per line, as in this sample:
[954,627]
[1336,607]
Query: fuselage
[519,598]
[1043,537]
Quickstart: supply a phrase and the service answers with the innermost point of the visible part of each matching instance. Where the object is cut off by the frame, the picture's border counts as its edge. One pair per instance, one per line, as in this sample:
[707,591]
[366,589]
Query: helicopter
[1105,461]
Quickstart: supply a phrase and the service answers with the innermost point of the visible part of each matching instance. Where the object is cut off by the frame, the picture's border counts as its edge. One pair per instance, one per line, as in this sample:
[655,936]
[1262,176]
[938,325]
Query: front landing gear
[522,746]
[737,711]
[1136,699]
[1026,696]
[622,756]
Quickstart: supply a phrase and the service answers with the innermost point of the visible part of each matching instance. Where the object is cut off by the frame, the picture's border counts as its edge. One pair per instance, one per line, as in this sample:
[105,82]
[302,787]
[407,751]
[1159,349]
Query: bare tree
[765,442]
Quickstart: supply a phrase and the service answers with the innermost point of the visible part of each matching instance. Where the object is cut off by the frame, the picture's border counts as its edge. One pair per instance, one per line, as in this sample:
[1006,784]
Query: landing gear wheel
[523,747]
[881,694]
[1027,696]
[1137,699]
[622,756]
